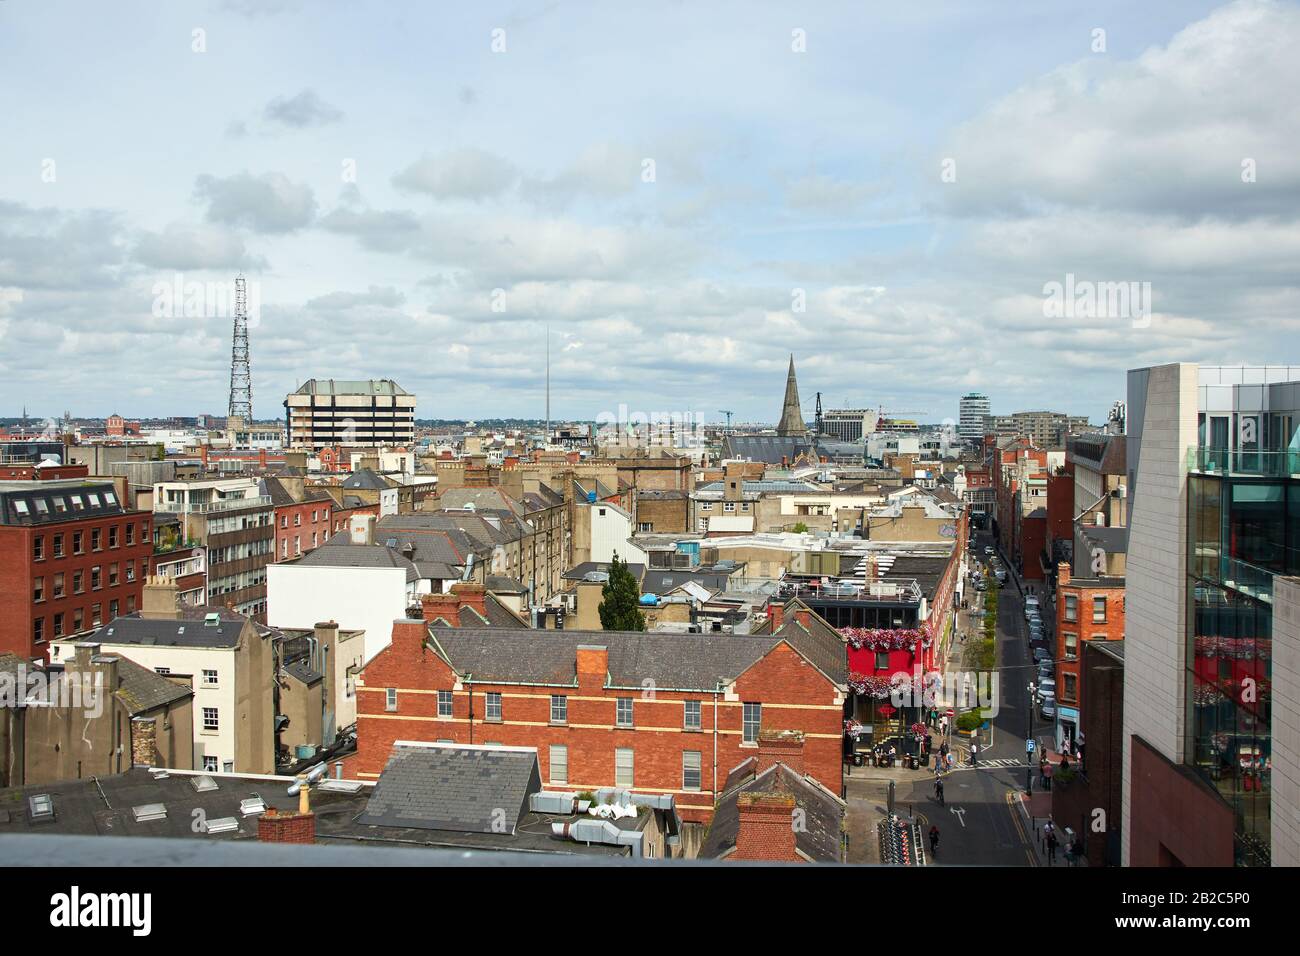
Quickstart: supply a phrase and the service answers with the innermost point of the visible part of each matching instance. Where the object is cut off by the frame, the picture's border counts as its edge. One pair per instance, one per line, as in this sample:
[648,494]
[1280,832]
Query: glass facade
[1243,530]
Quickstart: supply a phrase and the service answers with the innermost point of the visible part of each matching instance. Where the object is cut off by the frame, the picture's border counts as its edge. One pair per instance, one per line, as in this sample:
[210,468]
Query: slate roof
[302,672]
[82,807]
[143,690]
[340,552]
[818,839]
[769,449]
[672,660]
[926,570]
[165,632]
[366,478]
[459,787]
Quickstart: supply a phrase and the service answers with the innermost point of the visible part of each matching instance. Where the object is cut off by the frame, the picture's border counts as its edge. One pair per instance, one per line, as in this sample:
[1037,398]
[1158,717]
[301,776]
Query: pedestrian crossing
[999,763]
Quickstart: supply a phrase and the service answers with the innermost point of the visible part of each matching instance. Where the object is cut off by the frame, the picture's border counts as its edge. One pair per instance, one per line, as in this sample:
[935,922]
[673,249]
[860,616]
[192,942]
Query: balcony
[1252,464]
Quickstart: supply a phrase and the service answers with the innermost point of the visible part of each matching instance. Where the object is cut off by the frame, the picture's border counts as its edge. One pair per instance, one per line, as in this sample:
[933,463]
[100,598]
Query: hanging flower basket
[887,639]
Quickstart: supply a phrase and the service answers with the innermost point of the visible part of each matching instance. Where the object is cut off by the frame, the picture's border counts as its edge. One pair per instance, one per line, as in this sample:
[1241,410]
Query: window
[1071,645]
[623,767]
[96,615]
[58,585]
[210,721]
[58,545]
[390,702]
[559,763]
[493,705]
[209,678]
[728,506]
[38,548]
[624,714]
[559,709]
[112,536]
[58,625]
[882,660]
[1072,607]
[645,527]
[78,543]
[210,764]
[1099,610]
[112,610]
[753,718]
[38,589]
[130,533]
[284,521]
[96,539]
[1071,688]
[77,582]
[690,770]
[130,571]
[38,630]
[297,520]
[706,505]
[77,620]
[112,575]
[444,703]
[95,582]
[692,719]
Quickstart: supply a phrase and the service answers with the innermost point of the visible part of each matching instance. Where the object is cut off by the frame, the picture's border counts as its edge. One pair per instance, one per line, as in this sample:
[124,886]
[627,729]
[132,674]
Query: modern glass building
[1243,530]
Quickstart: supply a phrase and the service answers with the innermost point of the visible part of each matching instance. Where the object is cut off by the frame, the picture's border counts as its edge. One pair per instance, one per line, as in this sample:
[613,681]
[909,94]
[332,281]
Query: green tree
[800,527]
[620,599]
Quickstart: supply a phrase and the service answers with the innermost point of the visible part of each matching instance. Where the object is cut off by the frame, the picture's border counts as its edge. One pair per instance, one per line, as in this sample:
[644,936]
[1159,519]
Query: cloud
[269,203]
[1166,133]
[194,246]
[301,111]
[54,248]
[466,173]
[391,230]
[386,296]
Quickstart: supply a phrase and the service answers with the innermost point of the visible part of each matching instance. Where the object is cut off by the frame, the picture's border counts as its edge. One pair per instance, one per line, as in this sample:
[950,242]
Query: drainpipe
[469,682]
[715,745]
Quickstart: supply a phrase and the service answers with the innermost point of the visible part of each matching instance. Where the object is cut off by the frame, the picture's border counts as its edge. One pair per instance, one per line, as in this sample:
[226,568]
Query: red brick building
[652,712]
[1087,609]
[71,558]
[302,526]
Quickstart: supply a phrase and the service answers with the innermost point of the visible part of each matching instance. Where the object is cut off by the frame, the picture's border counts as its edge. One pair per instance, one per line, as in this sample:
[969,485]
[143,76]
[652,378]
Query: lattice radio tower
[241,379]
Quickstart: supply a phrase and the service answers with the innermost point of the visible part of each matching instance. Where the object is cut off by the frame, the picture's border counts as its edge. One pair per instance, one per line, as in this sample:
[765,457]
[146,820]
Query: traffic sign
[1029,745]
[951,712]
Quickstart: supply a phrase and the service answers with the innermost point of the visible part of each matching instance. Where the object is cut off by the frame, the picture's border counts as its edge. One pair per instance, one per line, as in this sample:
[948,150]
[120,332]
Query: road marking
[961,815]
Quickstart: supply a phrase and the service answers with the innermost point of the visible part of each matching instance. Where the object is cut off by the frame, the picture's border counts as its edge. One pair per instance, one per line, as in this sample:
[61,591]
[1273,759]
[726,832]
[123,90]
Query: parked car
[1046,669]
[988,550]
[1001,575]
[1047,709]
[1047,686]
[1041,654]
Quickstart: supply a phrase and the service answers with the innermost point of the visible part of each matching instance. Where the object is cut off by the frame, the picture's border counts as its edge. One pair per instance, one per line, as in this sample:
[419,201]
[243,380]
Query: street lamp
[1031,694]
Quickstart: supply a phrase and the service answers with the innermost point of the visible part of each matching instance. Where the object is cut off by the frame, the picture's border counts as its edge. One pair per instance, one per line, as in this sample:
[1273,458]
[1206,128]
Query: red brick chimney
[409,637]
[804,617]
[471,594]
[780,746]
[1063,573]
[280,827]
[775,614]
[283,826]
[766,828]
[445,606]
[592,664]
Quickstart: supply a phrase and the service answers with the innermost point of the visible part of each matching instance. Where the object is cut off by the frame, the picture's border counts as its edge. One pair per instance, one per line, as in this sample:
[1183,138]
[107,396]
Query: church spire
[792,423]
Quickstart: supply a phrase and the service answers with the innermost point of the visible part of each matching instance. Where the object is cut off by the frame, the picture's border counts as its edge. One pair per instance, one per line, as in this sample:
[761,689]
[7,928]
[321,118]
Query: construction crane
[728,413]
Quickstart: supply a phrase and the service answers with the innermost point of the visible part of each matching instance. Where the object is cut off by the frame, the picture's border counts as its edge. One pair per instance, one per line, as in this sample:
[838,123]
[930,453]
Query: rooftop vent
[339,786]
[211,619]
[149,812]
[203,784]
[40,806]
[252,806]
[221,825]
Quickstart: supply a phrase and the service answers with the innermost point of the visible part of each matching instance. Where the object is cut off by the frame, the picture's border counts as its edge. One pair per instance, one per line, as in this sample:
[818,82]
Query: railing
[213,507]
[900,592]
[1224,461]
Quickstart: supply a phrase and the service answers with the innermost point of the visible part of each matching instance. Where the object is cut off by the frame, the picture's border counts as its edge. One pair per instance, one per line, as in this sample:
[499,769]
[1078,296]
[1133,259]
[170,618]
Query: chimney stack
[775,615]
[159,599]
[361,528]
[766,828]
[1063,573]
[780,746]
[471,594]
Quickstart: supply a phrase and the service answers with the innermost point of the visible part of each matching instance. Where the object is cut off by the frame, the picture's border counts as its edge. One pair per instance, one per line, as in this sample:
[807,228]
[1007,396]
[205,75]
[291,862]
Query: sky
[899,195]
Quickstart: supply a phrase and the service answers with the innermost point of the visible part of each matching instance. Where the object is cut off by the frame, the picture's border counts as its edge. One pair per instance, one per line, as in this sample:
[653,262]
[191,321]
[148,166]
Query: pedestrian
[974,754]
[1042,771]
[934,840]
[952,761]
[1065,763]
[893,754]
[938,791]
[1051,848]
[943,749]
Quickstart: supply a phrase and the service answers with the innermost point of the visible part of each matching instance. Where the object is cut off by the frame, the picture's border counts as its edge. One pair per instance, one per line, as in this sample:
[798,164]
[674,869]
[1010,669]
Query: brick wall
[793,694]
[277,827]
